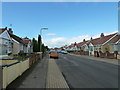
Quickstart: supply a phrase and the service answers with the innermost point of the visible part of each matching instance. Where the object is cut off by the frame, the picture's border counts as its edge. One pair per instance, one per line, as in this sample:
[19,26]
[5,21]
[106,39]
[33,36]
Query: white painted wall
[91,49]
[5,43]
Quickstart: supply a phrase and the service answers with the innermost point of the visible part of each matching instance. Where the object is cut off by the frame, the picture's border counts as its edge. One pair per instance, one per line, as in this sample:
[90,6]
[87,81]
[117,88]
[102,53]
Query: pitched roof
[2,30]
[101,40]
[93,41]
[16,38]
[98,41]
[114,40]
[81,43]
[105,38]
[26,41]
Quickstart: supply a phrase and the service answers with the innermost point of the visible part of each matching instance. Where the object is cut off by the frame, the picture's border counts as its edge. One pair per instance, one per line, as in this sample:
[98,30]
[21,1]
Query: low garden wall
[80,52]
[11,69]
[106,55]
[118,56]
[114,55]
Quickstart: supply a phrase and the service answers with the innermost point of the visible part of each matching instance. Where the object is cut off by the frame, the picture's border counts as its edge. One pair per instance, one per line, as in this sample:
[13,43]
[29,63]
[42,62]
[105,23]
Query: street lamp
[41,37]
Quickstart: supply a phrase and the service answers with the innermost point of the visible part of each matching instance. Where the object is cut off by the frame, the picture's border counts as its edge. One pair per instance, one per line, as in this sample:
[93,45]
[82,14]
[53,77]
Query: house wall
[86,48]
[16,48]
[119,47]
[21,47]
[5,43]
[110,47]
[91,50]
[105,48]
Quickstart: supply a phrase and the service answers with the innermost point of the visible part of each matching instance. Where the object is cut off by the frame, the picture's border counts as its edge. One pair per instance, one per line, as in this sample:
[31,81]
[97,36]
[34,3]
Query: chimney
[10,30]
[83,40]
[75,44]
[91,39]
[102,35]
[5,28]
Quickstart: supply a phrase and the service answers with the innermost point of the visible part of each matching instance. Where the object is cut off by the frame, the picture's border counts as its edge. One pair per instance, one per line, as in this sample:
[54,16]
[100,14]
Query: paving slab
[55,78]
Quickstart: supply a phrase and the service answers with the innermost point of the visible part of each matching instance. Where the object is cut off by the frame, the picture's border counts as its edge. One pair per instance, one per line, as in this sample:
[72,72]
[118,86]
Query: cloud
[61,41]
[50,34]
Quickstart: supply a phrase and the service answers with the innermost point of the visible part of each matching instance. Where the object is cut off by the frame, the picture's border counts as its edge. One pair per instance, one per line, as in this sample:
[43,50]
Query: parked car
[54,54]
[64,52]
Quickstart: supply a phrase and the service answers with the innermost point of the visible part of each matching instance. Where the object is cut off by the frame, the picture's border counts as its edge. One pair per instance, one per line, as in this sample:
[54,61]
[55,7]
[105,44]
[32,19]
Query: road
[81,72]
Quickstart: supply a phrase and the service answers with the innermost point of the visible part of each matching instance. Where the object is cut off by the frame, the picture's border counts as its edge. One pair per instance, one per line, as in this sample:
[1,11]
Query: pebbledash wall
[11,71]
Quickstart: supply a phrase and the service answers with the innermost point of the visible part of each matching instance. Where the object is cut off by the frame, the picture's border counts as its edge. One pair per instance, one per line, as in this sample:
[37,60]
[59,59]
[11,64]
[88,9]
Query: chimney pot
[102,35]
[83,40]
[10,30]
[91,38]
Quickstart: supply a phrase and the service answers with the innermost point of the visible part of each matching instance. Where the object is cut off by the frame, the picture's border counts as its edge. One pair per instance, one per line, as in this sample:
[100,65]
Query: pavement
[55,78]
[111,61]
[34,77]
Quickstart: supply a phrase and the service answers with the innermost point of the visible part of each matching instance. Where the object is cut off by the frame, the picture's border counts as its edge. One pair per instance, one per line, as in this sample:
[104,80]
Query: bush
[21,53]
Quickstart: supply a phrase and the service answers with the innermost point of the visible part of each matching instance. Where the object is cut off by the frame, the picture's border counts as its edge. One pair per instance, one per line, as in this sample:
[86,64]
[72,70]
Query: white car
[64,52]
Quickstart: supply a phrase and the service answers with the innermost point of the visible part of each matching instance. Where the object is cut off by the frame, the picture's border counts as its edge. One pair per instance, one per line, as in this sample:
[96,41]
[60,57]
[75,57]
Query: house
[99,44]
[17,43]
[113,45]
[72,47]
[5,42]
[82,46]
[23,45]
[28,48]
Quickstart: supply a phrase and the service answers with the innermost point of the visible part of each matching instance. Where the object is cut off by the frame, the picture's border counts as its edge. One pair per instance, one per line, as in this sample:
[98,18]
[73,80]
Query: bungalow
[5,42]
[23,45]
[82,46]
[99,44]
[17,43]
[72,47]
[113,45]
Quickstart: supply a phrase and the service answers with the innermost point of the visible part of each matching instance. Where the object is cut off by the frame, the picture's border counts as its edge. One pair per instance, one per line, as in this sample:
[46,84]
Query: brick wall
[106,55]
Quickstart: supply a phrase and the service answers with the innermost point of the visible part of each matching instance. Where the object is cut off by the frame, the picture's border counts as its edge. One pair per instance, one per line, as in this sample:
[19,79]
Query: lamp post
[41,37]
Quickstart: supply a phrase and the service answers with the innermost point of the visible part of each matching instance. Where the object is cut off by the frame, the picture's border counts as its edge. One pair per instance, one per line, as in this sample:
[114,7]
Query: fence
[11,71]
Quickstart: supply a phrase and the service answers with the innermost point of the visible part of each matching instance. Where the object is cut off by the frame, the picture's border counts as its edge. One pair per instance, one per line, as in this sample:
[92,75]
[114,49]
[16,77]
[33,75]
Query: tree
[39,43]
[35,45]
[46,47]
[43,48]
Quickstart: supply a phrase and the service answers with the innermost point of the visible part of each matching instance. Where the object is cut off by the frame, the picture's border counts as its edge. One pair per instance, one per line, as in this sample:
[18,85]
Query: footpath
[55,78]
[43,74]
[111,61]
[34,77]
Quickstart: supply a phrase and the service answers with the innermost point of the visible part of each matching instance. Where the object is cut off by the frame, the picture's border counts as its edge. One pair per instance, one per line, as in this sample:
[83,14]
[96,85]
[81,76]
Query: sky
[67,22]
